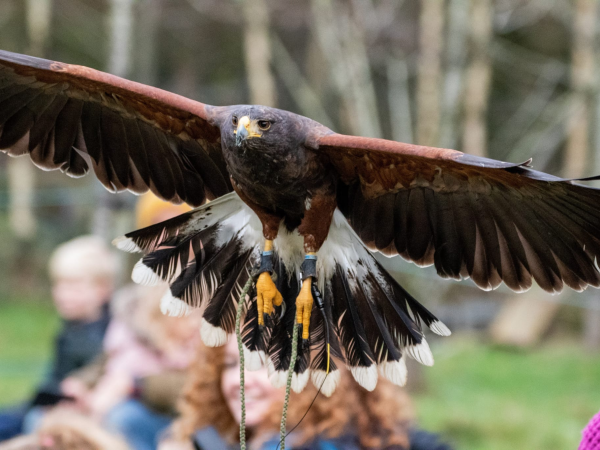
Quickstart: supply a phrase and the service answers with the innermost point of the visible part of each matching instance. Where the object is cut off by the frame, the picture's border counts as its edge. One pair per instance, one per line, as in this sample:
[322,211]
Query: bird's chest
[271,178]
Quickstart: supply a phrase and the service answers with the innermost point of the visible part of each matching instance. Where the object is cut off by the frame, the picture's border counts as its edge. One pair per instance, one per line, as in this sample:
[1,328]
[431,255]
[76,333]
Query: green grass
[486,398]
[27,332]
[480,397]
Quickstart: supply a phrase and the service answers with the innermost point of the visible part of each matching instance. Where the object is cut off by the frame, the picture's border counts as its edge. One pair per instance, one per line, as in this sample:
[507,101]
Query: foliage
[27,329]
[490,398]
[480,397]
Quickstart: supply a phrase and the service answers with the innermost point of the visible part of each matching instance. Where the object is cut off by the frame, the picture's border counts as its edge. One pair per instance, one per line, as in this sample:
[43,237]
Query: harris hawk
[307,206]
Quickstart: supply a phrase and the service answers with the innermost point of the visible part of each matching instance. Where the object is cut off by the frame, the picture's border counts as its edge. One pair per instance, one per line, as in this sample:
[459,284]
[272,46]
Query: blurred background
[507,79]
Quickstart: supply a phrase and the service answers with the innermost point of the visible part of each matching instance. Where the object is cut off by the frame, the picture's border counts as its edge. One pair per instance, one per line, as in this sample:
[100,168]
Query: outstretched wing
[470,216]
[134,136]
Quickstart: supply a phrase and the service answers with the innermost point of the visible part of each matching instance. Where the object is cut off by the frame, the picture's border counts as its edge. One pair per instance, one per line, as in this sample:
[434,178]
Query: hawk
[306,205]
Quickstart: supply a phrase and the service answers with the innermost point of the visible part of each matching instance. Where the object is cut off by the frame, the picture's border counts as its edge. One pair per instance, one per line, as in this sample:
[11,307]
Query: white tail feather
[253,360]
[173,306]
[142,274]
[327,382]
[395,371]
[299,380]
[212,336]
[421,352]
[278,378]
[365,376]
[440,328]
[126,244]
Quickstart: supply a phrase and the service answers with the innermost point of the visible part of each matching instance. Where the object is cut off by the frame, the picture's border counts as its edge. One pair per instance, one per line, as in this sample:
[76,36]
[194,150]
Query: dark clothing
[11,421]
[424,440]
[209,439]
[77,344]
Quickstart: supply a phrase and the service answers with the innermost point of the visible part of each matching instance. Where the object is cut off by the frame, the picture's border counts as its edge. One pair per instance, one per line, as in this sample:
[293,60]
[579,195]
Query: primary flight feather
[305,203]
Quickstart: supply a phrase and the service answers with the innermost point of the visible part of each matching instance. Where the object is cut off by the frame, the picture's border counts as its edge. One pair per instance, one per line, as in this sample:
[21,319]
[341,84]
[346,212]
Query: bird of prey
[308,207]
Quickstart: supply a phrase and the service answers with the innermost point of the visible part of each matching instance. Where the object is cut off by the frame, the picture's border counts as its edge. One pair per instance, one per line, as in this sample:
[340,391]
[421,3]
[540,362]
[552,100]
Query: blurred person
[133,386]
[150,210]
[65,429]
[352,418]
[145,358]
[82,272]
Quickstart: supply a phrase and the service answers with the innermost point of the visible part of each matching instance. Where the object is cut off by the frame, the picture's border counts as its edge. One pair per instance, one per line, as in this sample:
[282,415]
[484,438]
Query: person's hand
[74,387]
[172,444]
[111,389]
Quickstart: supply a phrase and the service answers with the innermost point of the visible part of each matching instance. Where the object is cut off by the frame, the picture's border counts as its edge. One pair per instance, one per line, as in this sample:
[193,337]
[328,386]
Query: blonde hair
[68,430]
[379,419]
[64,429]
[84,256]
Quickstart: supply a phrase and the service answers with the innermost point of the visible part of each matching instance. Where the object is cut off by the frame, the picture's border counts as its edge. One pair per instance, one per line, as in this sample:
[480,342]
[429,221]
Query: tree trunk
[429,71]
[341,38]
[478,79]
[257,47]
[582,81]
[21,173]
[399,100]
[454,78]
[106,223]
[147,35]
[301,91]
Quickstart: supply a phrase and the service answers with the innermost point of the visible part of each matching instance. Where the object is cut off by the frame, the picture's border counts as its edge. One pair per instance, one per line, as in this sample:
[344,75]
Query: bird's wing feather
[470,216]
[135,137]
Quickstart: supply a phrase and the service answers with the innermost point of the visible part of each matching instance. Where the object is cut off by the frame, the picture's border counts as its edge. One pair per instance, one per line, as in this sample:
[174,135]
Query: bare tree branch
[257,47]
[454,80]
[428,86]
[299,88]
[479,74]
[582,81]
[399,101]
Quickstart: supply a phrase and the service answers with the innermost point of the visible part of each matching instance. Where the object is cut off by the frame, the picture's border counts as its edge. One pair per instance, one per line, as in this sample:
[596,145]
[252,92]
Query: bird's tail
[206,256]
[366,319]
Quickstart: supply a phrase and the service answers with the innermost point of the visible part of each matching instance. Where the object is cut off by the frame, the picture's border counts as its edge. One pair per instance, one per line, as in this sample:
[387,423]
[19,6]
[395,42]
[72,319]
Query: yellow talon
[267,295]
[304,304]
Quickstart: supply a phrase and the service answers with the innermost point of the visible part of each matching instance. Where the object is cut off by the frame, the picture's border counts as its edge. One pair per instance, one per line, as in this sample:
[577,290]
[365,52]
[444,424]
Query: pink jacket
[127,354]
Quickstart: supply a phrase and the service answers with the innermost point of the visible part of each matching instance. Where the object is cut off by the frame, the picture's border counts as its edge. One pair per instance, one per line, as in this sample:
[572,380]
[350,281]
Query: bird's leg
[304,301]
[267,294]
[314,228]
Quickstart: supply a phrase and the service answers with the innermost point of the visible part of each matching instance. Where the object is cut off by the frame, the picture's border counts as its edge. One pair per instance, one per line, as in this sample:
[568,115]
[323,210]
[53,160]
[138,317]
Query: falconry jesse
[309,206]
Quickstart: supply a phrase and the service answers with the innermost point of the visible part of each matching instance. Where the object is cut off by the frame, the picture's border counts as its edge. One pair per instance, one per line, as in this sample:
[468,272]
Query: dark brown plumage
[471,217]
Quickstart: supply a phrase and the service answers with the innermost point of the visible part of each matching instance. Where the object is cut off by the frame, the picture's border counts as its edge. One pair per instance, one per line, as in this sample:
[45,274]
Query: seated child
[82,272]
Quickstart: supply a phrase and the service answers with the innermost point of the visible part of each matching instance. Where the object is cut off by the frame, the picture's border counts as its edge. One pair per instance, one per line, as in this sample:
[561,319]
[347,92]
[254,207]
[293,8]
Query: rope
[238,333]
[288,386]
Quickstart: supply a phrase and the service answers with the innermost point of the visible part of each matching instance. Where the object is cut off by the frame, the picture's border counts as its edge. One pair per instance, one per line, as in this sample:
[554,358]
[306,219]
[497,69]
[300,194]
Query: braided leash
[294,356]
[238,333]
[288,386]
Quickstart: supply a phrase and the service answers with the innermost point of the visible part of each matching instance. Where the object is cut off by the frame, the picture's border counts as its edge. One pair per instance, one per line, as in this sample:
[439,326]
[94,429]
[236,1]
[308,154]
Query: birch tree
[21,173]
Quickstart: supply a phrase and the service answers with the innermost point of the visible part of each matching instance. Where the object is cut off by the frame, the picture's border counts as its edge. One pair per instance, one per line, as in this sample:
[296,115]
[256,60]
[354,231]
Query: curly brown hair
[379,419]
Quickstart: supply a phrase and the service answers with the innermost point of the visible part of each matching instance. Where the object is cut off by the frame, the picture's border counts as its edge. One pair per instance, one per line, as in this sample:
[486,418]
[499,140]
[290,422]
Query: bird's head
[250,126]
[260,128]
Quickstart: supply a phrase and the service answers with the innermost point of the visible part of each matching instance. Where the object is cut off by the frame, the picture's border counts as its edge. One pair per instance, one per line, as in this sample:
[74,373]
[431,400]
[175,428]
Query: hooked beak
[245,130]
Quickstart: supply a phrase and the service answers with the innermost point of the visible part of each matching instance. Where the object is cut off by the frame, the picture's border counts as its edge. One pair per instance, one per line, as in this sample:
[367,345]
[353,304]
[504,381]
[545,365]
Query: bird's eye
[234,121]
[264,125]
